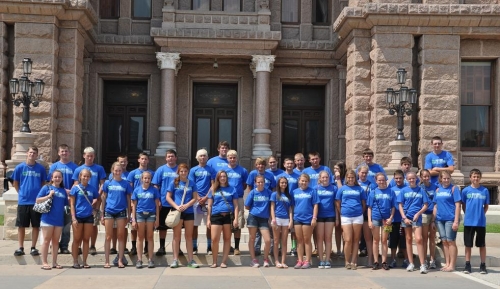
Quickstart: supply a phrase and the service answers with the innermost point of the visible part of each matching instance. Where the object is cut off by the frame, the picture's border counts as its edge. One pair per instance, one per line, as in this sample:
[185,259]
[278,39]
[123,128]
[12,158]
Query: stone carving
[169,61]
[168,4]
[262,63]
[264,4]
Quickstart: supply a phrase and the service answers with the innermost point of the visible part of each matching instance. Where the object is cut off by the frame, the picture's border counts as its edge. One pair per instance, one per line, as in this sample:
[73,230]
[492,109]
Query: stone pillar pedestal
[10,214]
[169,63]
[23,141]
[399,149]
[261,66]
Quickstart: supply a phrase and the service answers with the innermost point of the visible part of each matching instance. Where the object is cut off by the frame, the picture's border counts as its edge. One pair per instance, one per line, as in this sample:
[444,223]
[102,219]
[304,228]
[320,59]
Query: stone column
[306,27]
[261,66]
[86,101]
[4,89]
[169,63]
[341,113]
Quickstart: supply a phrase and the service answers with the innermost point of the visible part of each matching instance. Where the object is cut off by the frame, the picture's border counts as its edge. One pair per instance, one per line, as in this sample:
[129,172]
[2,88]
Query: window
[232,5]
[290,11]
[320,11]
[109,9]
[141,9]
[476,105]
[201,5]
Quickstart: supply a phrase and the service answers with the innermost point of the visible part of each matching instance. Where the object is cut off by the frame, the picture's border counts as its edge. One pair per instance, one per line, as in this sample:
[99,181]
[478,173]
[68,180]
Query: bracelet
[315,218]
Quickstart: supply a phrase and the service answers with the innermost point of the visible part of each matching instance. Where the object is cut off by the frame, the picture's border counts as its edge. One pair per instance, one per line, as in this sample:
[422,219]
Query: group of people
[309,203]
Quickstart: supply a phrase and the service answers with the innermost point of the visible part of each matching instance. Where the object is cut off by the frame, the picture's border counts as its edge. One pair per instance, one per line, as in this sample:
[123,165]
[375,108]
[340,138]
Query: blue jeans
[66,232]
[446,232]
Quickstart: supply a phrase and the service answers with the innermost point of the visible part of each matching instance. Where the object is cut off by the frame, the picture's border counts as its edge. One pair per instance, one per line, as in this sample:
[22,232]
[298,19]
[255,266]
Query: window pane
[312,136]
[290,137]
[114,134]
[320,11]
[136,134]
[203,136]
[125,92]
[474,126]
[232,5]
[142,8]
[476,83]
[290,11]
[225,130]
[109,9]
[201,4]
[303,96]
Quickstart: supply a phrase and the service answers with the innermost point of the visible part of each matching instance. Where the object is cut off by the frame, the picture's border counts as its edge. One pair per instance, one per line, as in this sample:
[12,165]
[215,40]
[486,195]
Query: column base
[399,149]
[261,150]
[163,147]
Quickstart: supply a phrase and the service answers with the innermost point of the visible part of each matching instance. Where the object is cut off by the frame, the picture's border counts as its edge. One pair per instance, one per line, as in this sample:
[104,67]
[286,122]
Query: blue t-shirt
[203,176]
[217,163]
[314,175]
[292,179]
[135,176]
[276,173]
[178,191]
[124,175]
[67,171]
[442,160]
[259,203]
[83,208]
[397,190]
[146,199]
[413,199]
[116,195]
[326,195]
[96,171]
[236,178]
[392,183]
[303,202]
[55,216]
[373,169]
[474,201]
[351,199]
[445,200]
[219,205]
[297,171]
[430,191]
[270,182]
[163,177]
[281,205]
[381,201]
[30,180]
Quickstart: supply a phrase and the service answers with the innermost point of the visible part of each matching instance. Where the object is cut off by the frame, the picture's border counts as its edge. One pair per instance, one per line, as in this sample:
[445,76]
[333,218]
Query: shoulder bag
[174,216]
[43,207]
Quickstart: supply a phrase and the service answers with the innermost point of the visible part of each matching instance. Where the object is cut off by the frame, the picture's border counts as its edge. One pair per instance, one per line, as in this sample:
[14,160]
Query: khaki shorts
[97,218]
[241,213]
[426,219]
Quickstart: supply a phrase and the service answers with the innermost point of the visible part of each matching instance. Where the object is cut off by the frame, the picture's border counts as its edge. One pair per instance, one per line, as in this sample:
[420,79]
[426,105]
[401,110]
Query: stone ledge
[124,39]
[215,33]
[314,45]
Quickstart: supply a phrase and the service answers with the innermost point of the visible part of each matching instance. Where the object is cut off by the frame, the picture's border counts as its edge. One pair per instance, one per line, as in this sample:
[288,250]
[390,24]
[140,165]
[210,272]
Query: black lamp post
[400,102]
[30,92]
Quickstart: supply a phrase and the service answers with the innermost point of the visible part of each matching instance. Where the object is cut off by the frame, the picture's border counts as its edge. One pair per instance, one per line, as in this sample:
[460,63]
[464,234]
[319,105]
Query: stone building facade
[272,77]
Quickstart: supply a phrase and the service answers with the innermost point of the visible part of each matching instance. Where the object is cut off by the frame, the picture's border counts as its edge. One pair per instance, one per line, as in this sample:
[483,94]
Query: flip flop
[222,265]
[107,266]
[86,266]
[284,266]
[46,267]
[76,266]
[121,266]
[278,265]
[214,265]
[57,266]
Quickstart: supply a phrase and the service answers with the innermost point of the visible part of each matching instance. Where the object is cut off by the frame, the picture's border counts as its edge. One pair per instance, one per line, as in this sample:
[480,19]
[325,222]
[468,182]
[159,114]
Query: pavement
[238,274]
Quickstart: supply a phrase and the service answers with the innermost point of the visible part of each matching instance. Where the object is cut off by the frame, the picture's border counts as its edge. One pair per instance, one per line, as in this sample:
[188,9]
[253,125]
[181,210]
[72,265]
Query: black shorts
[220,219]
[325,220]
[163,216]
[26,215]
[187,216]
[470,231]
[397,237]
[86,220]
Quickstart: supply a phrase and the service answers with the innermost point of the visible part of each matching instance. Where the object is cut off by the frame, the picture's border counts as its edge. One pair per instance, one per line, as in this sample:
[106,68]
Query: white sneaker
[410,267]
[254,263]
[266,263]
[423,269]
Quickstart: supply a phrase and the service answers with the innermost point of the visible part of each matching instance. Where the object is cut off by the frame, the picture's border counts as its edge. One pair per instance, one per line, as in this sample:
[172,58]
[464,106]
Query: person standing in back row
[438,160]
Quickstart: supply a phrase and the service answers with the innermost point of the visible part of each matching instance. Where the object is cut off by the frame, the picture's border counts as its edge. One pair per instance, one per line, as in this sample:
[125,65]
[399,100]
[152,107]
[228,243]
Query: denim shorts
[256,222]
[119,215]
[446,232]
[414,224]
[145,217]
[377,223]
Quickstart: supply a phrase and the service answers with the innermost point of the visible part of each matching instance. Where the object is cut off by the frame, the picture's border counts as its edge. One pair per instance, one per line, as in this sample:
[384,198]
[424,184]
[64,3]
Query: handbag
[231,214]
[174,216]
[43,207]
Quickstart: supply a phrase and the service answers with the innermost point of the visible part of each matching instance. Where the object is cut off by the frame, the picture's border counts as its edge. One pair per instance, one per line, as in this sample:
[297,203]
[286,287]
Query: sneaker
[306,265]
[385,266]
[254,263]
[423,269]
[209,251]
[193,264]
[161,252]
[482,269]
[405,263]
[293,252]
[34,252]
[231,250]
[195,251]
[65,251]
[410,267]
[266,263]
[133,251]
[92,251]
[237,252]
[298,265]
[432,265]
[175,264]
[375,266]
[363,253]
[113,251]
[126,251]
[124,261]
[328,265]
[151,264]
[138,264]
[393,264]
[19,252]
[321,265]
[468,268]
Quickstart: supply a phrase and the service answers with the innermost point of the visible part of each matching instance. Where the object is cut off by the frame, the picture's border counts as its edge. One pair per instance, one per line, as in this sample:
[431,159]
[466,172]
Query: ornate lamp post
[400,102]
[29,92]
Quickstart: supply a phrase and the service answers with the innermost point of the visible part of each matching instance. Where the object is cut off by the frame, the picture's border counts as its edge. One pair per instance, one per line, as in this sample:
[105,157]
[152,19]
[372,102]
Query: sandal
[86,266]
[278,265]
[214,265]
[76,266]
[46,267]
[121,266]
[107,266]
[284,266]
[222,265]
[57,266]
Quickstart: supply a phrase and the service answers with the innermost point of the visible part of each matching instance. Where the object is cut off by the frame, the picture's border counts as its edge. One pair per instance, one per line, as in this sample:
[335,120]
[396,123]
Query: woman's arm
[171,201]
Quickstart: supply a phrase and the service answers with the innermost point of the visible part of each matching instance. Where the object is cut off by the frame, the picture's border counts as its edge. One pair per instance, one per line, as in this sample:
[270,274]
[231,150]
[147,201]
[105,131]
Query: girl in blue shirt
[281,216]
[53,221]
[305,214]
[222,201]
[116,206]
[83,197]
[447,202]
[351,203]
[428,225]
[145,212]
[366,244]
[257,202]
[175,193]
[381,210]
[327,218]
[339,170]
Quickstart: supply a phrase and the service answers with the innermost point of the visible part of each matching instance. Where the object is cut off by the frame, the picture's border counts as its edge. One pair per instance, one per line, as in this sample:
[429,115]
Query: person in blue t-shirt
[366,244]
[412,203]
[350,201]
[438,160]
[222,202]
[116,207]
[281,219]
[447,203]
[182,193]
[53,221]
[293,178]
[299,160]
[82,198]
[273,167]
[373,168]
[475,203]
[29,177]
[257,202]
[428,224]
[327,218]
[381,210]
[397,236]
[305,203]
[315,168]
[405,166]
[339,171]
[220,162]
[145,211]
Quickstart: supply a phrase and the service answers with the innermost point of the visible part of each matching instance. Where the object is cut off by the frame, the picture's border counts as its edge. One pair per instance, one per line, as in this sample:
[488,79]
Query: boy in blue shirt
[220,162]
[475,200]
[373,168]
[438,160]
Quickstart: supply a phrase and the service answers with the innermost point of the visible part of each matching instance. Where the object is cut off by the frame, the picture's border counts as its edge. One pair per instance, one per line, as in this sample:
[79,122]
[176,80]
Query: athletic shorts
[163,216]
[282,222]
[86,220]
[26,216]
[326,220]
[221,219]
[470,231]
[351,220]
[187,216]
[397,237]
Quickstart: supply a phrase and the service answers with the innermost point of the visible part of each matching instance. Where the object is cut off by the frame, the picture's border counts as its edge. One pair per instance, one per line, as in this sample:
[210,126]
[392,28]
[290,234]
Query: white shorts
[199,215]
[351,220]
[282,222]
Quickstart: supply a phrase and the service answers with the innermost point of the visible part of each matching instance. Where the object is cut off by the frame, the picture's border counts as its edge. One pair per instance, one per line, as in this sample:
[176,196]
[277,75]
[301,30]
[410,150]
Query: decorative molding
[169,61]
[262,63]
[342,72]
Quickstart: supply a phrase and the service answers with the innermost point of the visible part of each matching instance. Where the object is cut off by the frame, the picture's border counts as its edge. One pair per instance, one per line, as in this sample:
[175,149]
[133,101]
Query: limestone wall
[4,89]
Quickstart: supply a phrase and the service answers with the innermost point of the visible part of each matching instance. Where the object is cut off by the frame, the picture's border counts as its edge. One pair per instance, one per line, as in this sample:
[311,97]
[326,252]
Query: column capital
[169,61]
[262,63]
